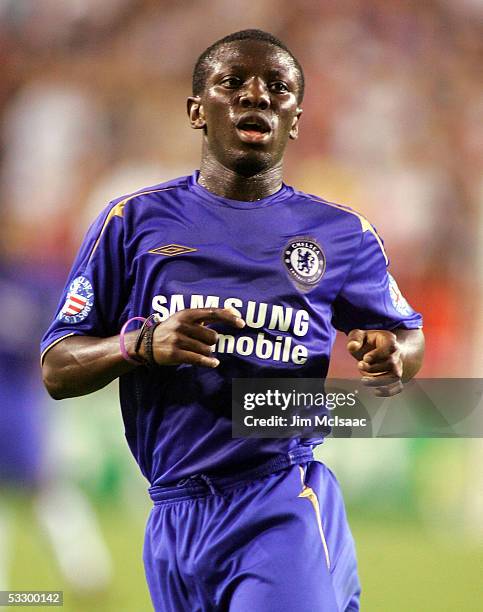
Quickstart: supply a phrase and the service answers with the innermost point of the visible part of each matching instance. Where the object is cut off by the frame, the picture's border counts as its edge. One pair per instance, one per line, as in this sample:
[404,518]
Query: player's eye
[279,87]
[231,82]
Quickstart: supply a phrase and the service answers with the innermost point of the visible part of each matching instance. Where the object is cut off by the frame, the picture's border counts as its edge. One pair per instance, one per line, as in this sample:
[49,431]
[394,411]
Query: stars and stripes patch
[74,304]
[78,302]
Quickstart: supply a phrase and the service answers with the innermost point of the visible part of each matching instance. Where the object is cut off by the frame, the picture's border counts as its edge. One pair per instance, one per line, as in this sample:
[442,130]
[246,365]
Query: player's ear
[294,130]
[195,112]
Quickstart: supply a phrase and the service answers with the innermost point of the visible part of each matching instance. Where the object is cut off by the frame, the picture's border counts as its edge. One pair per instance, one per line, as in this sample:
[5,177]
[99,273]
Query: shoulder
[345,220]
[113,216]
[338,212]
[152,193]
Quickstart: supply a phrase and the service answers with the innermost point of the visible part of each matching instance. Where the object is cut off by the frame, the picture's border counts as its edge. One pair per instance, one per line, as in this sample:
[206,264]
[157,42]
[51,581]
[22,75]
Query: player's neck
[230,184]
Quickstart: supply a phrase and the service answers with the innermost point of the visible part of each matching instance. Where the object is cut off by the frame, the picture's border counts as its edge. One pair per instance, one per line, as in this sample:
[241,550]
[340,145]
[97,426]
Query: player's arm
[387,359]
[384,331]
[80,364]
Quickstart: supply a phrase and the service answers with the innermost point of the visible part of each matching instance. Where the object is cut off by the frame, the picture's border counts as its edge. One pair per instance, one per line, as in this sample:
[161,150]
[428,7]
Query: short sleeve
[92,299]
[370,297]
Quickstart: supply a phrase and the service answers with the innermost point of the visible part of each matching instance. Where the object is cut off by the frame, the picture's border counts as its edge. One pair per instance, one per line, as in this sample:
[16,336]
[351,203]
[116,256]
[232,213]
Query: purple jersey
[293,265]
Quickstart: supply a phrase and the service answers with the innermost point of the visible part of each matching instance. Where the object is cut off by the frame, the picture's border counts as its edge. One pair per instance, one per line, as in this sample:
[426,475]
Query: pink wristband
[122,343]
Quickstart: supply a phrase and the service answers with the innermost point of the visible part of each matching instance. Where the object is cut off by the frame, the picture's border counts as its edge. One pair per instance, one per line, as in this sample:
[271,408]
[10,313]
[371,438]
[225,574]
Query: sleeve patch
[398,300]
[79,301]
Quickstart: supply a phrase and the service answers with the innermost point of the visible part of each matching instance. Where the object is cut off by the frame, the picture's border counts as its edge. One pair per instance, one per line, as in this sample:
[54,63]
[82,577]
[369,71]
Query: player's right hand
[184,337]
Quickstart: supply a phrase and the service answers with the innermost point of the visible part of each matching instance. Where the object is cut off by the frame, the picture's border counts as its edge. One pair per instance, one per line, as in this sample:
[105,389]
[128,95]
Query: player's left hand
[379,357]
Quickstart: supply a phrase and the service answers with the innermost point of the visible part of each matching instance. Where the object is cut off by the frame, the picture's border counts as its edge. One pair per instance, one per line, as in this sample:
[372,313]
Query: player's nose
[255,94]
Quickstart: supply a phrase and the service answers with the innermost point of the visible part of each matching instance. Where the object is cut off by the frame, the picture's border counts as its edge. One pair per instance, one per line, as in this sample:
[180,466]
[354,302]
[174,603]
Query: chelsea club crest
[305,262]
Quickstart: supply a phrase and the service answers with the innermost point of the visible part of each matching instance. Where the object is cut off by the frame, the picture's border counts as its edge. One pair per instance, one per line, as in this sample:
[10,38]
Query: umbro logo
[172,249]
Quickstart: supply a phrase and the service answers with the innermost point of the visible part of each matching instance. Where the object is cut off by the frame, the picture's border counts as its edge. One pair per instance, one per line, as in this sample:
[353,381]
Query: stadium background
[92,103]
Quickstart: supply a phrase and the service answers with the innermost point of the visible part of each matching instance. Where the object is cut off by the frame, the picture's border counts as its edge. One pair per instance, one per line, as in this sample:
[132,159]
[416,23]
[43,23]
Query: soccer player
[249,278]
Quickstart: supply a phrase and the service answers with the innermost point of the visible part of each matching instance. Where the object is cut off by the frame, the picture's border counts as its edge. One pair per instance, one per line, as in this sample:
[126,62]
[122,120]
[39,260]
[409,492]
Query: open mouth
[253,128]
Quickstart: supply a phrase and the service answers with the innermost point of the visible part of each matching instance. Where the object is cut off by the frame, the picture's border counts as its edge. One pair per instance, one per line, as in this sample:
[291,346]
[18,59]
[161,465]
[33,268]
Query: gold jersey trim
[309,493]
[118,211]
[365,224]
[45,351]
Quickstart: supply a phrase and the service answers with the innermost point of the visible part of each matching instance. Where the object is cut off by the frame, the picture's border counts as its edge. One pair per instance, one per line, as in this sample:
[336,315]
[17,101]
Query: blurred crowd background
[92,105]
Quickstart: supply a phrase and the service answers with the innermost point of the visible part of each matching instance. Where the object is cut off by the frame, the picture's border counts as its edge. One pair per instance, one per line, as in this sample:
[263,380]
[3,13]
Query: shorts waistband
[200,485]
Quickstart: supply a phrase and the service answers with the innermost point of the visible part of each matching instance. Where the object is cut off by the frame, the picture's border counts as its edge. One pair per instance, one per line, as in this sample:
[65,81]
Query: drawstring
[195,479]
[186,481]
[209,483]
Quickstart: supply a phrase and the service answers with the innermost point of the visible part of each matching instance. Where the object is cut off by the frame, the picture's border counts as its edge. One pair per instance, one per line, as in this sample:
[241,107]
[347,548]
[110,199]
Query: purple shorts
[278,542]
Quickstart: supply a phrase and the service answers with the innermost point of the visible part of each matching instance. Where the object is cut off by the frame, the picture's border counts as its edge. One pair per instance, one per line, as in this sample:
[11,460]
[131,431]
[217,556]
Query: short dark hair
[202,66]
